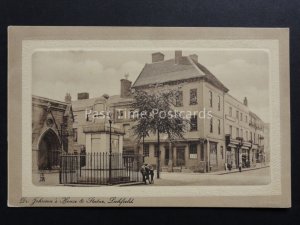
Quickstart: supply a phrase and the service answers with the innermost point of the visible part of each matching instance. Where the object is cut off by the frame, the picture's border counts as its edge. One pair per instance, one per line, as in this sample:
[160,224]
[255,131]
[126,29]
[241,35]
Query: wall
[41,124]
[234,121]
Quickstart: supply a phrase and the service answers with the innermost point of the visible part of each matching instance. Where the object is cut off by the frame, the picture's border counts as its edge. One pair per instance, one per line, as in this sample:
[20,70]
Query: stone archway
[49,151]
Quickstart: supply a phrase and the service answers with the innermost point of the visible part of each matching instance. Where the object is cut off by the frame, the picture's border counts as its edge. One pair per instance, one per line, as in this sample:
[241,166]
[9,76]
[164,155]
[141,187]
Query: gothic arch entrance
[49,151]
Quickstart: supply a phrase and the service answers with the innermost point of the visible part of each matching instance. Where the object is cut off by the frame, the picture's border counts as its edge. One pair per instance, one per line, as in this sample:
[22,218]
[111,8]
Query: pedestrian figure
[151,172]
[240,167]
[147,172]
[143,172]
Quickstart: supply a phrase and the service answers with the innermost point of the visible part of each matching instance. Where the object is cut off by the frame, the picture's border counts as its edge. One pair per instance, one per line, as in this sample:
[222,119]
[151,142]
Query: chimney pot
[68,98]
[83,95]
[245,101]
[157,57]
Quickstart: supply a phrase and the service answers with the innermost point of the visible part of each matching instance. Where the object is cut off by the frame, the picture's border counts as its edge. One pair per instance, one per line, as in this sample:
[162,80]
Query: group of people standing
[147,173]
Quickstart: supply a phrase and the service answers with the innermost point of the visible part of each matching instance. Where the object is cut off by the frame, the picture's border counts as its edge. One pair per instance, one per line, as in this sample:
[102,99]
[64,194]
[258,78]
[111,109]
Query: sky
[55,73]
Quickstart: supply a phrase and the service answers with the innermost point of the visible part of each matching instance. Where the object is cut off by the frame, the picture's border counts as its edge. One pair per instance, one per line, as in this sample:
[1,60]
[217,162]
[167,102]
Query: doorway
[49,151]
[180,159]
[167,156]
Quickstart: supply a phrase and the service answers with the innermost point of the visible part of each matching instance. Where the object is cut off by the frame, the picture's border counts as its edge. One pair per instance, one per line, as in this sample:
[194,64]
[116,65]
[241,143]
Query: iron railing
[93,168]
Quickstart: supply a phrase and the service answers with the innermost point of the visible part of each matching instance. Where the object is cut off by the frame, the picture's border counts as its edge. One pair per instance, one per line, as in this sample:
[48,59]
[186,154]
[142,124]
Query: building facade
[230,137]
[203,149]
[91,126]
[243,133]
[52,135]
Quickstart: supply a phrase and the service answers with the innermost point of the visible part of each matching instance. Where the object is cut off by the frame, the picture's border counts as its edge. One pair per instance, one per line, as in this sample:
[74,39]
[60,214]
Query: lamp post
[110,151]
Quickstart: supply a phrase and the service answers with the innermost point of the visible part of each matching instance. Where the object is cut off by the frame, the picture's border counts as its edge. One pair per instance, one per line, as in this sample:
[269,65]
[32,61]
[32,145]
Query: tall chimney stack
[157,57]
[178,55]
[125,88]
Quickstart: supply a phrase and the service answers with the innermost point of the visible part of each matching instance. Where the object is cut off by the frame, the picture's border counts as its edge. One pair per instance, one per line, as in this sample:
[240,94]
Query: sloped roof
[168,70]
[115,99]
[89,103]
[83,104]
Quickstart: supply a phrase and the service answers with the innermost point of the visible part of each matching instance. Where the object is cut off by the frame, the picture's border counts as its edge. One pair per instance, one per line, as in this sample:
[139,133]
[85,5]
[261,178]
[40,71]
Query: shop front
[245,154]
[232,152]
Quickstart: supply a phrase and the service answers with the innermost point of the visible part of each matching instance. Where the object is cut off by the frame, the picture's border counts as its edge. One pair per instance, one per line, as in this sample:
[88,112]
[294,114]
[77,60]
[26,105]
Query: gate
[94,168]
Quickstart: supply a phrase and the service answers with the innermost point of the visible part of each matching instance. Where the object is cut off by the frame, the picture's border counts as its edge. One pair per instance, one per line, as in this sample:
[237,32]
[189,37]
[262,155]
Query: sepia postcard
[144,116]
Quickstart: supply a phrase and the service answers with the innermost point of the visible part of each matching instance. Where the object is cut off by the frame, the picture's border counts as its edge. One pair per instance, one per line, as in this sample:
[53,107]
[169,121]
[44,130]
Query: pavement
[250,176]
[258,176]
[237,170]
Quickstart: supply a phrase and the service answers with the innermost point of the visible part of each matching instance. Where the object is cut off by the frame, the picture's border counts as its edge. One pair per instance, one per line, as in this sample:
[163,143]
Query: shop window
[193,151]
